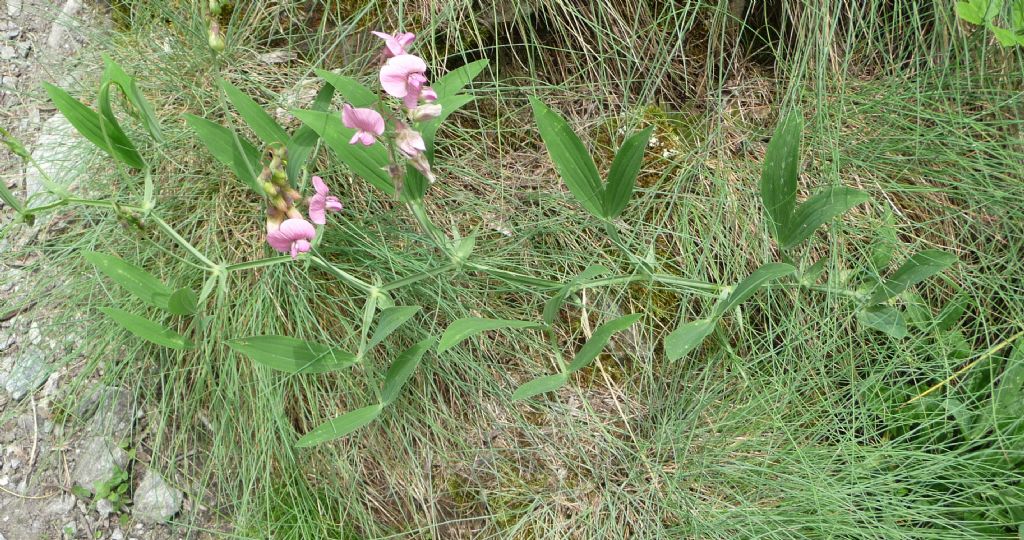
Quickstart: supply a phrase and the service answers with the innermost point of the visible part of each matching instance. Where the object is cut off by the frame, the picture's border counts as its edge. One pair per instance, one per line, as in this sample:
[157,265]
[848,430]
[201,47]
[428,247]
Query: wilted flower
[403,77]
[320,202]
[368,123]
[410,143]
[291,236]
[394,45]
[423,166]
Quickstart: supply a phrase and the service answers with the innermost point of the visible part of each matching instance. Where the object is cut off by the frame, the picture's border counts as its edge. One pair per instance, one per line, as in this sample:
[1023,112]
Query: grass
[785,424]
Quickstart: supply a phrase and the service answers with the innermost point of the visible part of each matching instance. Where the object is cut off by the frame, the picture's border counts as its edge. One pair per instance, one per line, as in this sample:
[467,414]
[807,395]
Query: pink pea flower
[410,143]
[404,77]
[368,123]
[426,111]
[292,236]
[428,94]
[394,45]
[320,202]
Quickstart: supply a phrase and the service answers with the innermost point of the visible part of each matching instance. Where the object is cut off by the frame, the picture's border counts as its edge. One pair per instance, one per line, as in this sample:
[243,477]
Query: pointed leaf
[182,302]
[351,90]
[781,168]
[147,329]
[116,141]
[265,127]
[884,319]
[554,304]
[88,122]
[454,81]
[220,141]
[402,369]
[463,329]
[340,426]
[136,280]
[389,321]
[969,12]
[305,138]
[449,105]
[369,162]
[818,210]
[687,337]
[571,158]
[593,347]
[917,268]
[758,278]
[540,385]
[126,83]
[623,173]
[292,355]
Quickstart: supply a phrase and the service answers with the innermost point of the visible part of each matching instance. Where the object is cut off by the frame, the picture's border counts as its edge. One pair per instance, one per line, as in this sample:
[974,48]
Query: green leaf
[220,141]
[354,93]
[340,426]
[623,173]
[147,329]
[571,158]
[593,347]
[265,127]
[884,319]
[540,385]
[305,138]
[92,126]
[136,280]
[402,369]
[457,79]
[292,355]
[115,75]
[810,276]
[449,105]
[951,313]
[818,210]
[919,267]
[554,304]
[758,278]
[389,321]
[1005,36]
[369,162]
[182,302]
[969,12]
[113,135]
[687,337]
[778,178]
[463,329]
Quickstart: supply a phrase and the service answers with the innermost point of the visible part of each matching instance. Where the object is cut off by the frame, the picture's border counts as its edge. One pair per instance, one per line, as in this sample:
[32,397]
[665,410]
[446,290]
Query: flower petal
[319,186]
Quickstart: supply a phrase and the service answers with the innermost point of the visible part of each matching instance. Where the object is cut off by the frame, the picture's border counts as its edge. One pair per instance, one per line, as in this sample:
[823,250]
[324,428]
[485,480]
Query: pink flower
[320,202]
[368,123]
[427,111]
[410,143]
[292,236]
[394,45]
[403,77]
[428,94]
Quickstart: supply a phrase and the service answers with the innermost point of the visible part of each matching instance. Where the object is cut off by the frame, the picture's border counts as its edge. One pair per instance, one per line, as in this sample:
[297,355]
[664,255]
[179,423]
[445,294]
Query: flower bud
[427,111]
[216,39]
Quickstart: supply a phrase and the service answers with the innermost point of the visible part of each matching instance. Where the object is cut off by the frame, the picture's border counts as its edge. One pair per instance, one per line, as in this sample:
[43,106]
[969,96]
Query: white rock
[13,8]
[98,462]
[154,500]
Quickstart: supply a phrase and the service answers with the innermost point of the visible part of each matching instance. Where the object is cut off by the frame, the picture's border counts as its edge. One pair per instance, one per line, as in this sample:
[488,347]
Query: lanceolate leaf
[539,386]
[220,141]
[402,369]
[753,282]
[687,337]
[554,304]
[182,302]
[454,81]
[113,136]
[354,93]
[463,329]
[340,426]
[134,279]
[884,319]
[593,347]
[778,178]
[818,210]
[88,123]
[917,268]
[265,127]
[305,138]
[369,162]
[389,321]
[148,330]
[292,355]
[571,158]
[115,75]
[623,173]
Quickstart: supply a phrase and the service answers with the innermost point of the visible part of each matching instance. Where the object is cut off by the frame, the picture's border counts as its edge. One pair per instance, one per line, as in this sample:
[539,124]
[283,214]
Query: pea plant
[1004,18]
[387,138]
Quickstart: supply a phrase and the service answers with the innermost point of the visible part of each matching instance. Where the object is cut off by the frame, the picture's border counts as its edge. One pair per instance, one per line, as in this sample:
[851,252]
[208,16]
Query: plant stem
[344,276]
[257,263]
[182,242]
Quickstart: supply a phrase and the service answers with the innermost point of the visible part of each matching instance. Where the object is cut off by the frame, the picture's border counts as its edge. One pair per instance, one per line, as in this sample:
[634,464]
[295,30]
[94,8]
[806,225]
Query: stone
[13,8]
[7,52]
[61,505]
[29,372]
[104,508]
[98,462]
[57,150]
[64,22]
[117,535]
[155,501]
[112,410]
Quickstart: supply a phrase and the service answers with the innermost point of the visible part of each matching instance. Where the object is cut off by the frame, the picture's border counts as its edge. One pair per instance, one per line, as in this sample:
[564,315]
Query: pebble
[13,8]
[29,372]
[7,52]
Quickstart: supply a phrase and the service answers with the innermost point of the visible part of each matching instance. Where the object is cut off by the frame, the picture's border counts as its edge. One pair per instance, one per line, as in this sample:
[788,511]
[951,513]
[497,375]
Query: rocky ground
[68,463]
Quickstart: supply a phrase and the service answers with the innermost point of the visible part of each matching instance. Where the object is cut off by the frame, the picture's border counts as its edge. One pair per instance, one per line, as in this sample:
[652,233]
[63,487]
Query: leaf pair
[577,168]
[984,13]
[887,319]
[791,224]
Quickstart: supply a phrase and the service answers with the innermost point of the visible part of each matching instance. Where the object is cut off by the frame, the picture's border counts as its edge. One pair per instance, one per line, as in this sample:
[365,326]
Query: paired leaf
[539,385]
[623,173]
[919,267]
[593,347]
[354,93]
[570,157]
[265,127]
[554,304]
[95,128]
[463,329]
[818,210]
[305,138]
[884,319]
[402,369]
[369,162]
[757,279]
[457,79]
[136,280]
[117,76]
[147,329]
[687,337]
[220,141]
[340,426]
[779,176]
[292,355]
[389,321]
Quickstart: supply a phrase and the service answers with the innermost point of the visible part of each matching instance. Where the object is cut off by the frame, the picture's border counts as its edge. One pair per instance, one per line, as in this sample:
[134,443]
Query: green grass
[780,426]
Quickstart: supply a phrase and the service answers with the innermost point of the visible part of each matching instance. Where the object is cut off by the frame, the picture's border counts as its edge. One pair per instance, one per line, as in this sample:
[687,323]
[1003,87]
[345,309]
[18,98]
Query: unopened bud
[216,39]
[425,112]
[270,188]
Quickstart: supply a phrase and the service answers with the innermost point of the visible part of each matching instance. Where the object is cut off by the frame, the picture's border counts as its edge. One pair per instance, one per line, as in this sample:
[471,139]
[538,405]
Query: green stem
[182,242]
[344,276]
[270,261]
[406,281]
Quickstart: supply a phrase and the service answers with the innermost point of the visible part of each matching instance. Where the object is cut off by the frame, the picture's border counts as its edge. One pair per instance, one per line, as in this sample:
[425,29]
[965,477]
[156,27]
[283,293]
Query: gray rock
[7,52]
[155,501]
[13,8]
[57,150]
[29,372]
[112,410]
[98,461]
[60,505]
[104,508]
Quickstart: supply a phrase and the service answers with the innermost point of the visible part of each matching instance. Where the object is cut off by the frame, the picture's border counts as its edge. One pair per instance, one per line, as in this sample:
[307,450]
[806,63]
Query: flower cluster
[287,229]
[402,76]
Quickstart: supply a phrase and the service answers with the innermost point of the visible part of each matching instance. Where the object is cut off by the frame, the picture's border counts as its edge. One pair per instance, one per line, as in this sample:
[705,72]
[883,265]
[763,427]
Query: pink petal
[317,209]
[347,117]
[428,94]
[279,241]
[395,73]
[368,120]
[319,186]
[296,229]
[333,204]
[355,137]
[367,138]
[405,38]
